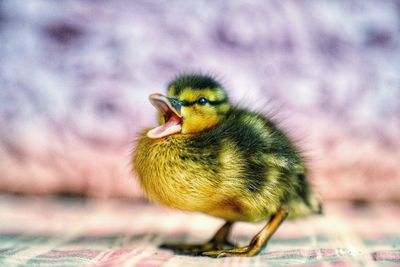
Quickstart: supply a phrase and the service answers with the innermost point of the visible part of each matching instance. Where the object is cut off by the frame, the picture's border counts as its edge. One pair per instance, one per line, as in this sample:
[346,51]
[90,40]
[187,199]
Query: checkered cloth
[76,232]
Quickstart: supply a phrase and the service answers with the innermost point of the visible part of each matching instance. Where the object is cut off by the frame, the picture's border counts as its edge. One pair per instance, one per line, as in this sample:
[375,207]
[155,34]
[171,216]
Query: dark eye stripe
[214,103]
[218,102]
[185,103]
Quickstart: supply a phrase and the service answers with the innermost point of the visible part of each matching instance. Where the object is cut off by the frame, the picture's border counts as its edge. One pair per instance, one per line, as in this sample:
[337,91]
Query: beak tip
[154,95]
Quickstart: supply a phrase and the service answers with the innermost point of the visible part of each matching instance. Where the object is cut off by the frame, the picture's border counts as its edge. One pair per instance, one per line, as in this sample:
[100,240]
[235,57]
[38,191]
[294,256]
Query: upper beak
[166,104]
[170,109]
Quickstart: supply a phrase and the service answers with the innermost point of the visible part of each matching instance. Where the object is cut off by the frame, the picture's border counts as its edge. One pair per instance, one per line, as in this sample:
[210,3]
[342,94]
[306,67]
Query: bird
[208,155]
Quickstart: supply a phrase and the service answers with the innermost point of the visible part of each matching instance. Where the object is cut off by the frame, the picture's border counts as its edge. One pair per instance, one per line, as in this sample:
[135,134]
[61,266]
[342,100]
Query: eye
[202,101]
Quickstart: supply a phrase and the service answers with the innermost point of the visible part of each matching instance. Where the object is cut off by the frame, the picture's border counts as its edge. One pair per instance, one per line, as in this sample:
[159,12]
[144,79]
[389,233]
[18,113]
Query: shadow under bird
[212,157]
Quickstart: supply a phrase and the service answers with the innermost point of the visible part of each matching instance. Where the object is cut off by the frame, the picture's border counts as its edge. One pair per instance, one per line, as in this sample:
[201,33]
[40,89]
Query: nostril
[176,103]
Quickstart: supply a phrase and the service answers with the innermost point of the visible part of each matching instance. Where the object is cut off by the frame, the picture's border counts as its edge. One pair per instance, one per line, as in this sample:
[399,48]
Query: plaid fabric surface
[76,232]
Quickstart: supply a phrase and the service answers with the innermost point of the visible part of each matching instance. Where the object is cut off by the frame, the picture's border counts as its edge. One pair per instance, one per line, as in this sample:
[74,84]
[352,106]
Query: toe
[214,253]
[235,252]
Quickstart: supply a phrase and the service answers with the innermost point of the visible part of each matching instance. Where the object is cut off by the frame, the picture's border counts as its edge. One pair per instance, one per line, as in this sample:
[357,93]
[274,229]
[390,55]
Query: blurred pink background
[75,76]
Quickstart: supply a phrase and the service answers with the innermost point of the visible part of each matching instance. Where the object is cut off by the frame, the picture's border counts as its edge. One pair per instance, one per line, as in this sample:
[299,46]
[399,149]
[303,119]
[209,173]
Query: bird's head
[193,104]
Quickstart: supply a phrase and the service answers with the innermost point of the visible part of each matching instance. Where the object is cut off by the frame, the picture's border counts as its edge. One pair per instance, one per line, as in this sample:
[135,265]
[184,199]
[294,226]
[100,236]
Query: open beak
[170,108]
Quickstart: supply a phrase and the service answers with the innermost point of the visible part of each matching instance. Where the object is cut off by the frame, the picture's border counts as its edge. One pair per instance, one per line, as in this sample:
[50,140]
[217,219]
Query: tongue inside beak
[172,126]
[173,121]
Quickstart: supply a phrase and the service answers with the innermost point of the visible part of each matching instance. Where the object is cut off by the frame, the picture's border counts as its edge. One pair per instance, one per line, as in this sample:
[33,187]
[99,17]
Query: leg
[257,243]
[218,241]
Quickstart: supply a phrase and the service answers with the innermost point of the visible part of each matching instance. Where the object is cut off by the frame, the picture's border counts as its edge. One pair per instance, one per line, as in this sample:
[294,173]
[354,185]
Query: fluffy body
[243,168]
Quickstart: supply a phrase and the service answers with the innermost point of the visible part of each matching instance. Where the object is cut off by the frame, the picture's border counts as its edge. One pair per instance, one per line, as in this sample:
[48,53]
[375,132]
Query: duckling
[210,156]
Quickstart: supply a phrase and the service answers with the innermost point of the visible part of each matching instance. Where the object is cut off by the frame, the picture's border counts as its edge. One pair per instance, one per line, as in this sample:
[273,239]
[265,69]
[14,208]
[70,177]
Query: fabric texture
[79,232]
[75,76]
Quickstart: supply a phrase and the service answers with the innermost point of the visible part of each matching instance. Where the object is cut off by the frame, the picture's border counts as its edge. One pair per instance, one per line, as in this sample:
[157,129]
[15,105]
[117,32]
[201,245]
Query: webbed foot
[258,242]
[216,247]
[234,252]
[218,242]
[196,249]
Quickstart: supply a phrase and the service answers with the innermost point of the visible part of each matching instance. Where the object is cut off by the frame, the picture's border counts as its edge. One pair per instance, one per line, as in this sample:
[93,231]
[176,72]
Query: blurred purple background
[75,75]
